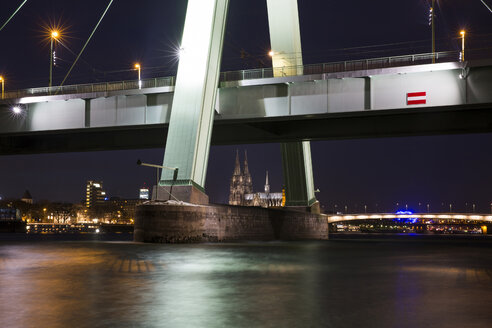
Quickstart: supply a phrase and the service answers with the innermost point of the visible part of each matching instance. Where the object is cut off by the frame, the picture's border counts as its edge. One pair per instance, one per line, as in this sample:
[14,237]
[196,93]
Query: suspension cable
[486,5]
[85,45]
[15,12]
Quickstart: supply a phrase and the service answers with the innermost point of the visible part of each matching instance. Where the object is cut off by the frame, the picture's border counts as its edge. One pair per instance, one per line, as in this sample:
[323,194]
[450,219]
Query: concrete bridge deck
[366,103]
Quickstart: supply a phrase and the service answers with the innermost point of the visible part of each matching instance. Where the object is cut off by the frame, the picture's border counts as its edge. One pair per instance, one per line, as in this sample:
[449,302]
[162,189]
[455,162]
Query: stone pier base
[174,222]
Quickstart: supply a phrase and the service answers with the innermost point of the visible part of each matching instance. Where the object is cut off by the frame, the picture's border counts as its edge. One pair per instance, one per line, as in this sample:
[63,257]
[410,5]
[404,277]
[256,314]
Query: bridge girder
[426,121]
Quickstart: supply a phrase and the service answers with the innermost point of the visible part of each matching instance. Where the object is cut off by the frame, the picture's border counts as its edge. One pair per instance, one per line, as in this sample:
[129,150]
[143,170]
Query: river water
[349,282]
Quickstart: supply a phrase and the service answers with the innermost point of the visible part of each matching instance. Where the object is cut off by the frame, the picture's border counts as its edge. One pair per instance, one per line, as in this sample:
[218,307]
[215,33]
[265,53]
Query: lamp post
[431,18]
[3,86]
[462,33]
[138,67]
[54,36]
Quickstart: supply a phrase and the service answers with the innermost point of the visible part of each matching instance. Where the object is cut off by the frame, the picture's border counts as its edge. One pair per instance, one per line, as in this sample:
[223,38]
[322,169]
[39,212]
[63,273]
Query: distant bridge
[435,217]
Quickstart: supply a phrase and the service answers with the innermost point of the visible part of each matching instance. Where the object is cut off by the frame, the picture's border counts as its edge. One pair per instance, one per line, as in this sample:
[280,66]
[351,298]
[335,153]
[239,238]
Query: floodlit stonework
[241,189]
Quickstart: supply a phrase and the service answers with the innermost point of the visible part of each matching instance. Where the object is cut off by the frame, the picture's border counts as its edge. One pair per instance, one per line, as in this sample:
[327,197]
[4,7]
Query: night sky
[439,170]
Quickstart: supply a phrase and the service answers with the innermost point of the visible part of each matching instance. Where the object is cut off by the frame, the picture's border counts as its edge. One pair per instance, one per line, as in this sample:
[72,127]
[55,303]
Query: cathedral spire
[246,168]
[267,185]
[247,181]
[237,168]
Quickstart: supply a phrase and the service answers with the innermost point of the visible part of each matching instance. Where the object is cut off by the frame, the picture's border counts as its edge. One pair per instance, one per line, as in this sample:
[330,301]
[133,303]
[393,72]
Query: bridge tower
[285,38]
[190,128]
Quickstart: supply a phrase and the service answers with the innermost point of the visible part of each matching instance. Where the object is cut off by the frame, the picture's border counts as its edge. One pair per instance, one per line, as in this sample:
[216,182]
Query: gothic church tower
[247,181]
[236,193]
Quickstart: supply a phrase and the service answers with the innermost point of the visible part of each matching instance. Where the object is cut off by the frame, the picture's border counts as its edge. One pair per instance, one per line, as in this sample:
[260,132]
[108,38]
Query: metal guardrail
[260,73]
[91,88]
[343,66]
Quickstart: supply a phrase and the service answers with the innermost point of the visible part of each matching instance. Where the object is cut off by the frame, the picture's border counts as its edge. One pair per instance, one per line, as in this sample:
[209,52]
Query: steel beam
[426,121]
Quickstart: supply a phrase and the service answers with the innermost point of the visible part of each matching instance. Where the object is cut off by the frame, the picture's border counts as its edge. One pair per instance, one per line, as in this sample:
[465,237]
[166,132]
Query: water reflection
[325,284]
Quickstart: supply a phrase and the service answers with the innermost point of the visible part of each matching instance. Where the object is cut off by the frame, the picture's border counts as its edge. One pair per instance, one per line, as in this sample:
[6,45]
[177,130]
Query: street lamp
[138,67]
[3,86]
[53,36]
[462,56]
[431,22]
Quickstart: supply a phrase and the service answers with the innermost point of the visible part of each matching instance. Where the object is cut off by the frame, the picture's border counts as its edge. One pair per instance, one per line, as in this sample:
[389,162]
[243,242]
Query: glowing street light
[3,86]
[462,56]
[271,53]
[138,67]
[53,37]
[16,110]
[432,24]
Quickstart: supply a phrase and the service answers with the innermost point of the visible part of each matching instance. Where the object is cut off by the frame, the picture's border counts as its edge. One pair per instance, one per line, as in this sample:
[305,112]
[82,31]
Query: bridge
[289,103]
[425,217]
[356,99]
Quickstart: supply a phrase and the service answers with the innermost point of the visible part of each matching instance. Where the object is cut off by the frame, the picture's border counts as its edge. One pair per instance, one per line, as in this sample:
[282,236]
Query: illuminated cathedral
[241,190]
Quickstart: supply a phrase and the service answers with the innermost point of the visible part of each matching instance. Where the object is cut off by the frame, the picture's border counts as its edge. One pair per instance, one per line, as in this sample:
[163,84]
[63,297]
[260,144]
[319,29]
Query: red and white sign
[417,98]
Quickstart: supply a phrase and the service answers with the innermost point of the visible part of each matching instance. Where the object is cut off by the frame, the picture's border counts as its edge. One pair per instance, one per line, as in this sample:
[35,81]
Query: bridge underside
[459,119]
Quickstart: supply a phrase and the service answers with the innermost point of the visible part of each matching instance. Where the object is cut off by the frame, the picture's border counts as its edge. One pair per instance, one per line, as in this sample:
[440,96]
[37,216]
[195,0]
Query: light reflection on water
[311,284]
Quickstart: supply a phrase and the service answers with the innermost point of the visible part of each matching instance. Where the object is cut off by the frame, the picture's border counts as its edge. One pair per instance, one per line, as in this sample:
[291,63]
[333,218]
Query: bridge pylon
[285,38]
[190,128]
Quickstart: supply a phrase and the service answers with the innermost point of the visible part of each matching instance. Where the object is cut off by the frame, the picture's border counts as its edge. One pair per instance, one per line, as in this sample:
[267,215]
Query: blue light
[106,198]
[405,212]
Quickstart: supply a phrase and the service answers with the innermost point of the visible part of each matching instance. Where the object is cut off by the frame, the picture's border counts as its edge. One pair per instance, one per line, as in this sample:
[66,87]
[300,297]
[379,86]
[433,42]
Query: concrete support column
[298,174]
[285,36]
[87,103]
[190,128]
[367,93]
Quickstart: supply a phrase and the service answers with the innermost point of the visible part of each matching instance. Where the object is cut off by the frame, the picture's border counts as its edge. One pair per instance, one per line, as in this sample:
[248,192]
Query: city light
[271,53]
[138,67]
[54,35]
[433,28]
[16,110]
[462,54]
[3,86]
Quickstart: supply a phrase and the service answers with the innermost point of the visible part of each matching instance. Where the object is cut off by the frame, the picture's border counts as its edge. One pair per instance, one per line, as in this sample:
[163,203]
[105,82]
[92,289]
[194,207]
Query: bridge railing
[92,88]
[343,66]
[260,73]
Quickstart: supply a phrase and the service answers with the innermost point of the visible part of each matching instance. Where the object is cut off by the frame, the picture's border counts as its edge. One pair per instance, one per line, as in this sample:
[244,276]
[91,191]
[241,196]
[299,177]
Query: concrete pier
[174,222]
